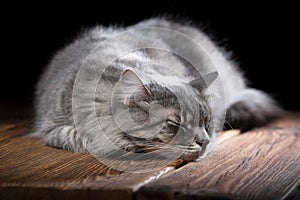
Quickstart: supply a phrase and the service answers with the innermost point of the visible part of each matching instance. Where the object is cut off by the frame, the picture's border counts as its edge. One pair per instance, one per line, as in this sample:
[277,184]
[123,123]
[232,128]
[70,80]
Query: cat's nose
[202,143]
[201,137]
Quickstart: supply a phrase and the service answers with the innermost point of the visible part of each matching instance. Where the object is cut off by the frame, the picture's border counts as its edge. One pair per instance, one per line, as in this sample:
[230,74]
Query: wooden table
[261,164]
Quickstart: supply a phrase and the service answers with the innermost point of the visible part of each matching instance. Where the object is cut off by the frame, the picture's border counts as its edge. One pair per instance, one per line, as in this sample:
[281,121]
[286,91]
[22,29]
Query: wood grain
[31,170]
[260,164]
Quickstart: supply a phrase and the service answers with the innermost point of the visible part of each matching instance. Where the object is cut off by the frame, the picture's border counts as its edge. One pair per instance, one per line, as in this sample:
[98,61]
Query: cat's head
[174,116]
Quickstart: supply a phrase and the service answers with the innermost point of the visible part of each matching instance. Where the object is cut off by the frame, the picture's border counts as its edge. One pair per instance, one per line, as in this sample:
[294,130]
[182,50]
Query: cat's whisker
[156,146]
[229,124]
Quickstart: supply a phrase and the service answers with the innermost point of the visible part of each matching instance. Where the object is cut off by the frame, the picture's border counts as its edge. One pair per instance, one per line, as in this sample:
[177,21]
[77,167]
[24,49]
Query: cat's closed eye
[172,123]
[175,126]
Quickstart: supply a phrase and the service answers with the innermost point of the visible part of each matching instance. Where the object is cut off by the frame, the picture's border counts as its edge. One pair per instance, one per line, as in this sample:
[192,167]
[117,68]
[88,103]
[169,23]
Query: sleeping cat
[155,86]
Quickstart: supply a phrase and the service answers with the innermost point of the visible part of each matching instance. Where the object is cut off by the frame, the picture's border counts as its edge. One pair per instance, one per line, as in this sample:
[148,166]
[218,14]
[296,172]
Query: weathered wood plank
[31,170]
[263,163]
[260,164]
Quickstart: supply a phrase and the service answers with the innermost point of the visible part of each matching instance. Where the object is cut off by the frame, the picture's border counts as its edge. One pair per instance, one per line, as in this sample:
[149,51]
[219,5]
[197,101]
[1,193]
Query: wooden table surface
[261,164]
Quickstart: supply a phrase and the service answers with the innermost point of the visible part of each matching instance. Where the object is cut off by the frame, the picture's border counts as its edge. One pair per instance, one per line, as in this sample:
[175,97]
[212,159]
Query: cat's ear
[131,83]
[203,82]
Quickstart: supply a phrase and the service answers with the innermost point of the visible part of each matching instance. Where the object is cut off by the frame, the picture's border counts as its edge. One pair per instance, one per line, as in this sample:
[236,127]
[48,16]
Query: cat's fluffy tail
[253,108]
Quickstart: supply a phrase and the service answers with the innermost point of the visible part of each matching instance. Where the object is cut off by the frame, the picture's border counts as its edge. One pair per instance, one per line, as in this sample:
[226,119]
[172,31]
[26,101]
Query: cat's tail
[253,108]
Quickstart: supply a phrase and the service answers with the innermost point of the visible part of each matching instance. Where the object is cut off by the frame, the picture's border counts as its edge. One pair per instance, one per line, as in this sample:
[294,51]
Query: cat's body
[146,76]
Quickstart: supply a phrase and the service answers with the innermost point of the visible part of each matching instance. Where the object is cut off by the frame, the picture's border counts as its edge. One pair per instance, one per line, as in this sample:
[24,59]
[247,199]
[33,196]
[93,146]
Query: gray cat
[144,89]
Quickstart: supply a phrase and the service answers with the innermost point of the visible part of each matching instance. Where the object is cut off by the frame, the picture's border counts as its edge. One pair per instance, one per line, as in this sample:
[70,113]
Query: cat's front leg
[64,137]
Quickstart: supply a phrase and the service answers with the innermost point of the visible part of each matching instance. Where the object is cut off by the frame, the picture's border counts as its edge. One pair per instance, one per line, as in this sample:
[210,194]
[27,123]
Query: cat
[163,85]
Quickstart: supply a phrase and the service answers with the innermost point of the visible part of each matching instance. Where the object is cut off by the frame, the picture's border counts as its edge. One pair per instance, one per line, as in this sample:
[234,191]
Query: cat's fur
[143,86]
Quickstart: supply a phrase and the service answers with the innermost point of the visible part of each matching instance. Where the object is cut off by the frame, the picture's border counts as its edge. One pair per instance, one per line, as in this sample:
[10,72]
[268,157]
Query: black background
[264,38]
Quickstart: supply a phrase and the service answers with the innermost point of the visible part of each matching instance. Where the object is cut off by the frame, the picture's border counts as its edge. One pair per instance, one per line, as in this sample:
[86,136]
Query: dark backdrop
[264,39]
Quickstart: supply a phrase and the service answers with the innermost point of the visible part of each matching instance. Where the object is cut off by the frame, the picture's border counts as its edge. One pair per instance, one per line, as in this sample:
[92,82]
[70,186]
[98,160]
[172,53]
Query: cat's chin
[195,156]
[192,156]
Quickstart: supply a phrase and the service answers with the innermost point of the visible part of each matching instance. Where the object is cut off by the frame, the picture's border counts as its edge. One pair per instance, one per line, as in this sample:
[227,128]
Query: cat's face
[176,117]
